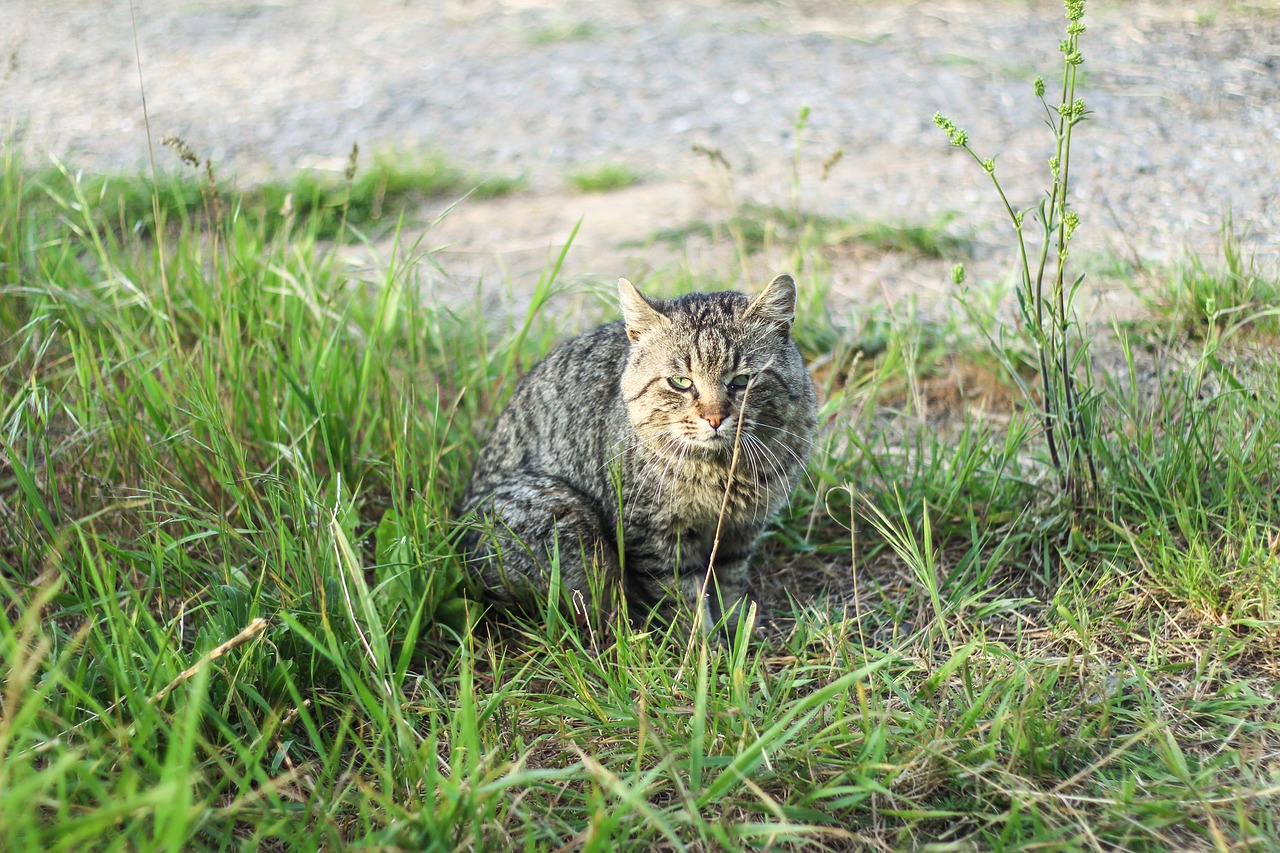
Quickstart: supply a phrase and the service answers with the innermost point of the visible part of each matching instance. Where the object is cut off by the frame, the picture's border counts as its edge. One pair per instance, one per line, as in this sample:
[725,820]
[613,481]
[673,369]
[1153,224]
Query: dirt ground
[1185,124]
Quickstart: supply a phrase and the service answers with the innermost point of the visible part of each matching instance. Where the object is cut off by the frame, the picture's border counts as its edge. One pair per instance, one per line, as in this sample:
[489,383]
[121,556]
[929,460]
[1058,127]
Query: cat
[630,449]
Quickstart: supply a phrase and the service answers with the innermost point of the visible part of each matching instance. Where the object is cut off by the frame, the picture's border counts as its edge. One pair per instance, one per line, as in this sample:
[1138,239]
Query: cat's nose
[715,419]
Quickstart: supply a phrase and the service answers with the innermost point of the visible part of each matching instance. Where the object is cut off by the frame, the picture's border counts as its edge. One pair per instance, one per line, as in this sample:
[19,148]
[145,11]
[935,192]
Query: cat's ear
[638,313]
[775,304]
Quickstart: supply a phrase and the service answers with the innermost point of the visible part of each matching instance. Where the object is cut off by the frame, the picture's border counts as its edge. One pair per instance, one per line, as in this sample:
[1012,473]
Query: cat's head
[703,363]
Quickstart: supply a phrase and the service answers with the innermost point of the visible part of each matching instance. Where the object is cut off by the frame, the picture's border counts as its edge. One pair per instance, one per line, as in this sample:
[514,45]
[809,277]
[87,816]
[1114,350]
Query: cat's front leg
[715,585]
[535,527]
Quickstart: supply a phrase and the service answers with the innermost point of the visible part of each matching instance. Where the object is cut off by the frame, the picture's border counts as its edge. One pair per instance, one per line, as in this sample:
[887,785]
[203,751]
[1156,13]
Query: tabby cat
[628,449]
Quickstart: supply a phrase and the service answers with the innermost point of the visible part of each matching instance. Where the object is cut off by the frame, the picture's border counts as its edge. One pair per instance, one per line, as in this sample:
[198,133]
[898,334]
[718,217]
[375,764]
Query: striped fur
[601,459]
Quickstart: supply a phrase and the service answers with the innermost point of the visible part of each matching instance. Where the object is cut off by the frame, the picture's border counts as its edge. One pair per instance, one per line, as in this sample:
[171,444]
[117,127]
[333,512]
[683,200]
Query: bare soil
[1185,123]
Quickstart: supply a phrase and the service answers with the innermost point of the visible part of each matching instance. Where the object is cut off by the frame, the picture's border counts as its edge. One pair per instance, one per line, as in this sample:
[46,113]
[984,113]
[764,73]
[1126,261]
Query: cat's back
[558,416]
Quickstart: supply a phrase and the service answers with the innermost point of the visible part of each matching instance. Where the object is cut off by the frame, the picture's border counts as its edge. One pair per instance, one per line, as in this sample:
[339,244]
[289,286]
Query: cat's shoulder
[600,351]
[609,340]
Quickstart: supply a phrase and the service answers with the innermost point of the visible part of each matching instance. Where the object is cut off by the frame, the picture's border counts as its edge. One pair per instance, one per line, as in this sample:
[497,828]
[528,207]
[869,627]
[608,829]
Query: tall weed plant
[1062,397]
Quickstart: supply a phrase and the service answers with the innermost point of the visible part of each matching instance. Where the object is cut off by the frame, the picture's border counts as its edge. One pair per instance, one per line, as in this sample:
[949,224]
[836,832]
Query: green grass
[756,227]
[1205,298]
[604,178]
[391,185]
[372,200]
[234,618]
[562,31]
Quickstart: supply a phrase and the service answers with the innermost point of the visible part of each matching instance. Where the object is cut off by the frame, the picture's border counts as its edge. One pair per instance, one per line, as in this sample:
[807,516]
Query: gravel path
[1185,100]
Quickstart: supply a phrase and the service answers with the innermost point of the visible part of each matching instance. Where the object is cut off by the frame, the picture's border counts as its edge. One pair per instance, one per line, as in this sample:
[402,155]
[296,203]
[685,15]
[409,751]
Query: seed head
[182,149]
[957,136]
[836,157]
[1071,221]
[352,160]
[715,155]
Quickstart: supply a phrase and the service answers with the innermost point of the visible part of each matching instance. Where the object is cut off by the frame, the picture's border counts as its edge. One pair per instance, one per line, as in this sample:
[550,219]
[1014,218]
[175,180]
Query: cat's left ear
[638,313]
[775,304]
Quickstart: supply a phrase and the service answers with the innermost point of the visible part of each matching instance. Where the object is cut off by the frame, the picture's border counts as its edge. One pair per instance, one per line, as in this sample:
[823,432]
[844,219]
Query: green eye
[681,383]
[740,381]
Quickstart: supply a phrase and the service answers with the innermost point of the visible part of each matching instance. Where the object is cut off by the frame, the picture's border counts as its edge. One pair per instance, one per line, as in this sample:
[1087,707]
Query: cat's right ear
[776,303]
[637,312]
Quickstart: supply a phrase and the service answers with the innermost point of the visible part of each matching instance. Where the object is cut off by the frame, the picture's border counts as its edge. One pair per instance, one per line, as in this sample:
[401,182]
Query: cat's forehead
[698,311]
[709,347]
[706,330]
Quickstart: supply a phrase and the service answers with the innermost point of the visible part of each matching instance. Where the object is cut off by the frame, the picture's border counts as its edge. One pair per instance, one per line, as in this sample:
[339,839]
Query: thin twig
[253,629]
[155,180]
[724,502]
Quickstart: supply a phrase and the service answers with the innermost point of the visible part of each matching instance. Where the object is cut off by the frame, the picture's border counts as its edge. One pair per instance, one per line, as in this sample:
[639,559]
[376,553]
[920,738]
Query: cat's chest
[694,497]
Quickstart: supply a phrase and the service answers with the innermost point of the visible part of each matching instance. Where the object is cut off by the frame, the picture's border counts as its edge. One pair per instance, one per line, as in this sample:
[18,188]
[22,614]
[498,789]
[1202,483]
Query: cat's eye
[740,380]
[681,383]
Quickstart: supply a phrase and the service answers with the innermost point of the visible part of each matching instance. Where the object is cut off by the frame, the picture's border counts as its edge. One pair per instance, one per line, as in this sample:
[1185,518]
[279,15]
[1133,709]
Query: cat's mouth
[719,441]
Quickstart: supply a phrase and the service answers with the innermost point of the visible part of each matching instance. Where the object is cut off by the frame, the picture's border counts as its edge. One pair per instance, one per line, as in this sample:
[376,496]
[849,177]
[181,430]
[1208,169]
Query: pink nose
[714,419]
